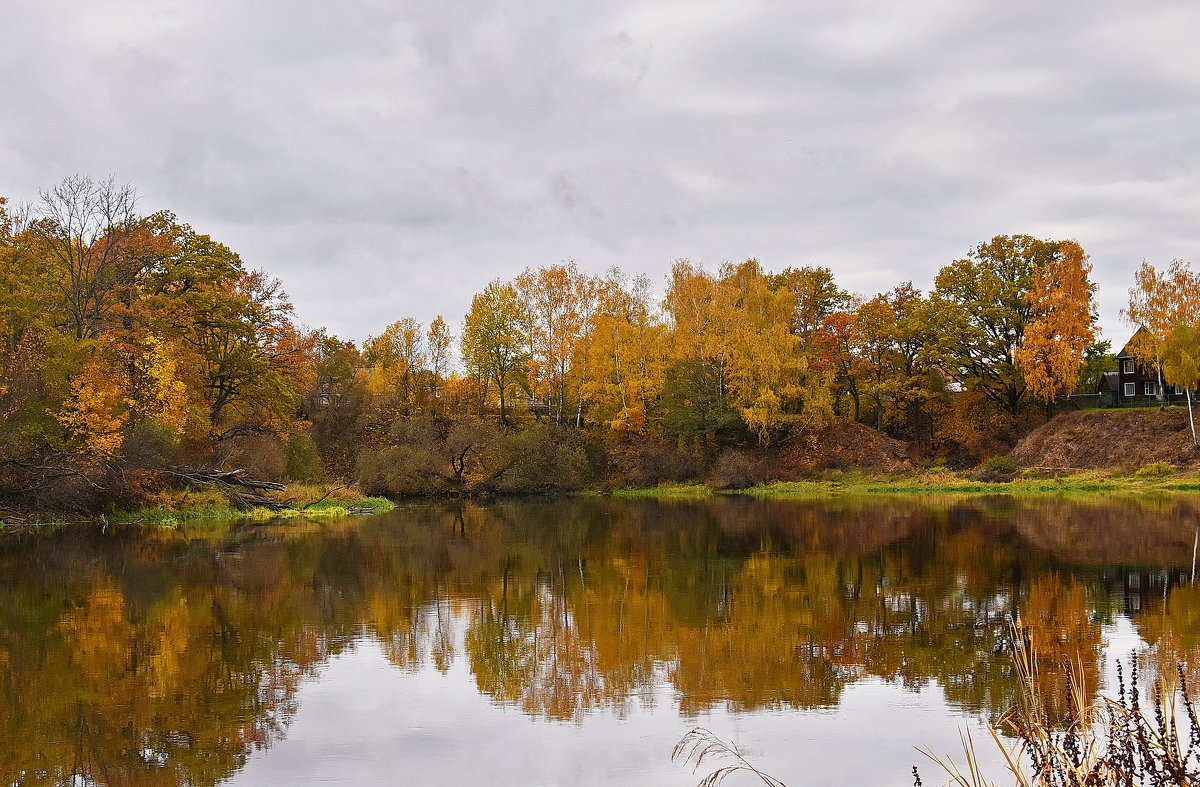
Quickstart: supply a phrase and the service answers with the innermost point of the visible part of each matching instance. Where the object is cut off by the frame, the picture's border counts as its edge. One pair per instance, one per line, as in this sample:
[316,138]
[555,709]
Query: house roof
[1125,350]
[1109,381]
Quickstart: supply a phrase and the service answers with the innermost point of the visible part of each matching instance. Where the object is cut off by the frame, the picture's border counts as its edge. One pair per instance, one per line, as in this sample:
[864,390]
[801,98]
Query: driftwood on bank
[244,492]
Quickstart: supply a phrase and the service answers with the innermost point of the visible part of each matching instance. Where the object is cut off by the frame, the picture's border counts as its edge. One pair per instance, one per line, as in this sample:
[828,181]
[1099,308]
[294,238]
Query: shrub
[262,456]
[997,469]
[1155,470]
[642,462]
[543,457]
[302,460]
[739,470]
[999,464]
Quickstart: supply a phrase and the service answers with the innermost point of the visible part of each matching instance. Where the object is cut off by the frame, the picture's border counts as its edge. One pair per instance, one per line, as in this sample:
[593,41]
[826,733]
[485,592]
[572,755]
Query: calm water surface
[570,642]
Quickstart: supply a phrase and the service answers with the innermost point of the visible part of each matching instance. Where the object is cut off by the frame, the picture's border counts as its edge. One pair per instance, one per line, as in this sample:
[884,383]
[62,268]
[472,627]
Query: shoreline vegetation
[171,517]
[308,503]
[930,483]
[293,501]
[172,509]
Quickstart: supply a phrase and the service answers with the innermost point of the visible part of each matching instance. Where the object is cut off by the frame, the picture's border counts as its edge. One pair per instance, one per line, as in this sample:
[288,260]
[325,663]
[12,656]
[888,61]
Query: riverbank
[1151,479]
[170,517]
[314,501]
[173,508]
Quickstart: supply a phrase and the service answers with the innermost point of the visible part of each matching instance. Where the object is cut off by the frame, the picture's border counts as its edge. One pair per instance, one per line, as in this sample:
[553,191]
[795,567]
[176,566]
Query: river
[573,641]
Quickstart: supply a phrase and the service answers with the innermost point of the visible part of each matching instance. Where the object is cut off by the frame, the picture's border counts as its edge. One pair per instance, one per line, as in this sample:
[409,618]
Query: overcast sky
[387,159]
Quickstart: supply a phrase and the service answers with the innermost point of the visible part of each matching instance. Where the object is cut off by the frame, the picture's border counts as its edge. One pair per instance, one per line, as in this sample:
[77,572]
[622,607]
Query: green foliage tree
[1097,360]
[980,309]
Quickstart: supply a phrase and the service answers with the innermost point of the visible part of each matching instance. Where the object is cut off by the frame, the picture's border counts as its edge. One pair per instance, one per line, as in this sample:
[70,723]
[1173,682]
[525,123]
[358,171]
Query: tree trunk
[1191,418]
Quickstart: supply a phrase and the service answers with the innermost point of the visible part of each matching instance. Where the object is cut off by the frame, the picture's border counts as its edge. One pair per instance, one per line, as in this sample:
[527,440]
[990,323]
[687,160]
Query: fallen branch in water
[321,498]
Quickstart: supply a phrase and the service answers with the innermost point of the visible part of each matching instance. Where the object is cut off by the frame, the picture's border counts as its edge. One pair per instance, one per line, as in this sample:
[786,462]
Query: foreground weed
[1135,739]
[1107,742]
[701,744]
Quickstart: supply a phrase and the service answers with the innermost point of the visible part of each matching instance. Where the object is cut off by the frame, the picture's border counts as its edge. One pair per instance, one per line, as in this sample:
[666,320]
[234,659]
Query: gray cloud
[388,159]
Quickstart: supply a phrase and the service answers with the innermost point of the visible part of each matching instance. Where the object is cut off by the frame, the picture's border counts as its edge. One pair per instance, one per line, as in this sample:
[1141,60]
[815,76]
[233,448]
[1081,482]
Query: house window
[1131,389]
[1127,367]
[1150,389]
[1178,390]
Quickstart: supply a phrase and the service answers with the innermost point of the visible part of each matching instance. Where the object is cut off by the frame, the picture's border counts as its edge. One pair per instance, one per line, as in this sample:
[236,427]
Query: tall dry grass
[1136,739]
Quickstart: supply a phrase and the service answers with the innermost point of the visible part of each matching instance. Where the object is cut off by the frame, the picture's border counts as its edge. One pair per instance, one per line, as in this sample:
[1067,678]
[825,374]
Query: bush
[1155,470]
[999,464]
[303,461]
[997,469]
[427,455]
[543,457]
[642,462]
[739,470]
[262,456]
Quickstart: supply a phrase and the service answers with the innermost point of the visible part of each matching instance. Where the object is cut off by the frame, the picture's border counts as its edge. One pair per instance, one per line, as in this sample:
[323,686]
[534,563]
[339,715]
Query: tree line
[133,342]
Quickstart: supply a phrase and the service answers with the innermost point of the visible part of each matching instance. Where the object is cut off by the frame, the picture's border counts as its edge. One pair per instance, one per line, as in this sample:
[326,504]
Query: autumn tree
[26,398]
[85,230]
[741,343]
[138,340]
[626,355]
[254,362]
[1181,363]
[558,302]
[982,308]
[697,326]
[336,403]
[694,399]
[816,296]
[1061,326]
[888,342]
[1159,302]
[494,342]
[820,320]
[397,358]
[760,353]
[438,341]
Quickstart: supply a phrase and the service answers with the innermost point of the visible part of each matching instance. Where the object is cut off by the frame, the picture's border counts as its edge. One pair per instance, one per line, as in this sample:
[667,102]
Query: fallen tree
[244,492]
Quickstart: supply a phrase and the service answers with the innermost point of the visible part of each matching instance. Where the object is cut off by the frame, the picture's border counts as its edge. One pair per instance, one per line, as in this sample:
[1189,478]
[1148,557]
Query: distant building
[1109,389]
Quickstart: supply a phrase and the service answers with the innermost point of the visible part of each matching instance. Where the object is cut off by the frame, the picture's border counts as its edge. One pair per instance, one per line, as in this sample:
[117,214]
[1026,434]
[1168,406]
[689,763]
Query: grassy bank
[308,501]
[668,492]
[937,482]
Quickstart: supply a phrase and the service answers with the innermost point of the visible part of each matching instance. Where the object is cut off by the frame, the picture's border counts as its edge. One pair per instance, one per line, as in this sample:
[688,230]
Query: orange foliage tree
[1061,327]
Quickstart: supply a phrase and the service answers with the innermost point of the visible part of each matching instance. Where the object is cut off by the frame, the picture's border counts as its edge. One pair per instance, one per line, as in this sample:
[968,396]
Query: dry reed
[1105,742]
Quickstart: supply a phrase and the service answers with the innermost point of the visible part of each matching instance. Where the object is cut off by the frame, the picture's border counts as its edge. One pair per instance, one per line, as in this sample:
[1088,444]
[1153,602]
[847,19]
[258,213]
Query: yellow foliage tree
[97,409]
[166,399]
[626,355]
[1158,303]
[761,354]
[397,356]
[559,301]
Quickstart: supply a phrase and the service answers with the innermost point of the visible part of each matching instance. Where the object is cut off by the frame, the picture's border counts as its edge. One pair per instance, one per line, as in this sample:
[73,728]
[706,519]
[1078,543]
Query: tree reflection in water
[170,657]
